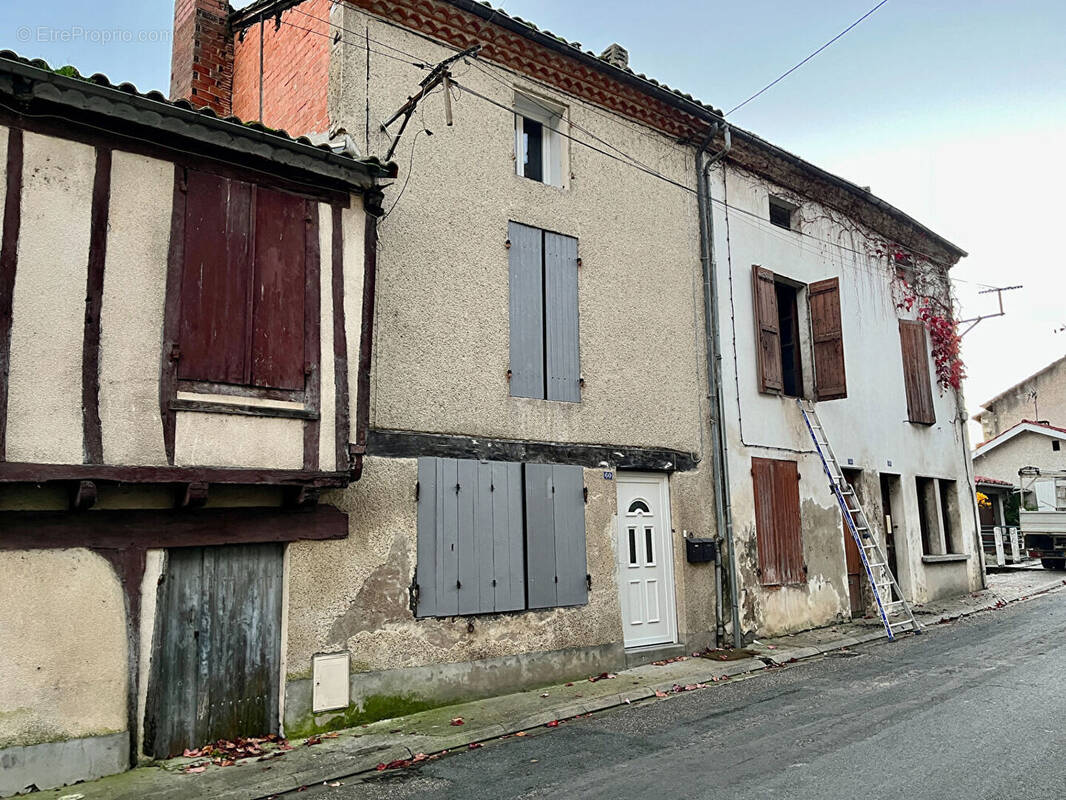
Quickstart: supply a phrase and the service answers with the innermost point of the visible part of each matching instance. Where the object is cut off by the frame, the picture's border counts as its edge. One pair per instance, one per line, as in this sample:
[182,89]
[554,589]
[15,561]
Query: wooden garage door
[217,647]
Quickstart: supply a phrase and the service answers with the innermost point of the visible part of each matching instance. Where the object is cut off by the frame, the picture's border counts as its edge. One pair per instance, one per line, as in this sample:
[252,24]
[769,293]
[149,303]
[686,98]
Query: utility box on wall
[700,551]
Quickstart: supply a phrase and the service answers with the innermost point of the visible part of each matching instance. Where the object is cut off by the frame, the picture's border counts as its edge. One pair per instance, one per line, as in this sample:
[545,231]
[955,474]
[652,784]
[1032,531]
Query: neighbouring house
[1027,444]
[596,305]
[1041,396]
[183,368]
[997,509]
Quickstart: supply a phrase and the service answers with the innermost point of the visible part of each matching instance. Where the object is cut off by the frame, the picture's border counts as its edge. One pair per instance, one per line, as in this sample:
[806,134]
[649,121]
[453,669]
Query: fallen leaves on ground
[553,724]
[688,687]
[666,661]
[545,694]
[521,733]
[660,694]
[475,745]
[602,677]
[226,752]
[458,721]
[312,740]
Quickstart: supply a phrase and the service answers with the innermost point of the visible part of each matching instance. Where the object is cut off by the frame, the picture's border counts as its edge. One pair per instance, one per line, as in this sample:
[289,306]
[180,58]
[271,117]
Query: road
[974,709]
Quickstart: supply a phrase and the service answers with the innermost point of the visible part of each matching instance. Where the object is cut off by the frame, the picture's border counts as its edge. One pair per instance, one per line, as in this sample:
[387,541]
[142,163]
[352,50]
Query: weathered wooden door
[217,648]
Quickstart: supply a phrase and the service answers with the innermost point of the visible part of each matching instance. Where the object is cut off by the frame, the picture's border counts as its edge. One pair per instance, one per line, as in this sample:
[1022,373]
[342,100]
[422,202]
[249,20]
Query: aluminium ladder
[896,614]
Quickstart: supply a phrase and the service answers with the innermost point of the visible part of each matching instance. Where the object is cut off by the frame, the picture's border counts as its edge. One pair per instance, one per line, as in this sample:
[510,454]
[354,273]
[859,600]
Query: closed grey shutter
[561,317]
[555,536]
[540,536]
[509,567]
[570,562]
[470,544]
[527,310]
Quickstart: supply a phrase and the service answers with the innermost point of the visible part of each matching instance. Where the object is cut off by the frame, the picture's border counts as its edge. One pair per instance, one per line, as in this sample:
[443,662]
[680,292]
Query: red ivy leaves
[945,342]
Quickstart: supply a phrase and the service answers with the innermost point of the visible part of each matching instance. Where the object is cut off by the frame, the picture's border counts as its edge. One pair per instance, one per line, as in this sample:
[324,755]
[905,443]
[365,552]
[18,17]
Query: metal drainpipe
[719,459]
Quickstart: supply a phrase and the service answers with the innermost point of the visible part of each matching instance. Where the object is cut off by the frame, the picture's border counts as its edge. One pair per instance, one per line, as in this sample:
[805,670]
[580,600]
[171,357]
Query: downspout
[723,507]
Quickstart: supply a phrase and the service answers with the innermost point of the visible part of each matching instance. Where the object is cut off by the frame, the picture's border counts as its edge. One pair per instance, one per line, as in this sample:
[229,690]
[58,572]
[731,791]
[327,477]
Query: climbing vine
[922,287]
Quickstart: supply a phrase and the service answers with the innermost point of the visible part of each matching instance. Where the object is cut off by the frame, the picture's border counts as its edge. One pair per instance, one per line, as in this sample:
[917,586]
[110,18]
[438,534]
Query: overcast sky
[952,110]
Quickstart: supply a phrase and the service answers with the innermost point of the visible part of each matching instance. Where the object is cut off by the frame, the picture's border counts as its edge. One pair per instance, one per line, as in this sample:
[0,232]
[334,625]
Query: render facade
[175,333]
[1041,397]
[513,172]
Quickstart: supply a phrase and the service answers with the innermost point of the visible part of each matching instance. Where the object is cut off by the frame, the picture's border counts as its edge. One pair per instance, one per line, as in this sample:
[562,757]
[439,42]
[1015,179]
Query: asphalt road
[974,709]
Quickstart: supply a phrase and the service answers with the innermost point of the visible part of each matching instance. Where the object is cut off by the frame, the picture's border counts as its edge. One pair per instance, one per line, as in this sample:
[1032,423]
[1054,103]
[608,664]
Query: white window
[538,145]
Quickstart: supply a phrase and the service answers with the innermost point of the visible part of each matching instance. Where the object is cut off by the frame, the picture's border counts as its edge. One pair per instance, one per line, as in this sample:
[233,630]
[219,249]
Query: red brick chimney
[201,68]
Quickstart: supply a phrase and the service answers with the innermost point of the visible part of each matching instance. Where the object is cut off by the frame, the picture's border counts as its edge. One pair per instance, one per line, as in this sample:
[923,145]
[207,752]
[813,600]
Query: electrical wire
[342,40]
[618,154]
[784,75]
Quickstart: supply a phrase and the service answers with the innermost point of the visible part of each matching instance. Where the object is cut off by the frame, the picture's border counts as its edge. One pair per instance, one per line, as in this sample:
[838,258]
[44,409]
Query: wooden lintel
[83,496]
[403,444]
[159,528]
[194,495]
[19,472]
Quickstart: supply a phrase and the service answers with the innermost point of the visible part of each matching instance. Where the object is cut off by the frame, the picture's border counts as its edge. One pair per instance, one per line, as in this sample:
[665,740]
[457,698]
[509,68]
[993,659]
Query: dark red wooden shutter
[916,377]
[830,382]
[788,529]
[277,347]
[214,288]
[768,331]
[762,473]
[777,522]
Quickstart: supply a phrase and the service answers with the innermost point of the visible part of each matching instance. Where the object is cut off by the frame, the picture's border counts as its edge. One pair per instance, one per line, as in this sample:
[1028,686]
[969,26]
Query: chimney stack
[201,68]
[616,55]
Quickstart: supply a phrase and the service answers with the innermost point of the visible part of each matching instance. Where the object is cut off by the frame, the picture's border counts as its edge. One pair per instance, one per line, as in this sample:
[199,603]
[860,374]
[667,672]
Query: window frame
[781,205]
[551,117]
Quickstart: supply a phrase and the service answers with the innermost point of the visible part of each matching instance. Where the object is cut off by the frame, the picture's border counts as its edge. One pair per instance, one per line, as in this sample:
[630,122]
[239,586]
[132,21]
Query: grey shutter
[570,563]
[470,543]
[509,568]
[426,570]
[466,498]
[527,310]
[555,536]
[561,317]
[540,536]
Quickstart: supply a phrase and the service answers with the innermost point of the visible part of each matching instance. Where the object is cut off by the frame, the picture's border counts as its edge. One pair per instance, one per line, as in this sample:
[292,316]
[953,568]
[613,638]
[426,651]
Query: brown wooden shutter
[214,287]
[916,377]
[830,382]
[277,346]
[777,522]
[768,331]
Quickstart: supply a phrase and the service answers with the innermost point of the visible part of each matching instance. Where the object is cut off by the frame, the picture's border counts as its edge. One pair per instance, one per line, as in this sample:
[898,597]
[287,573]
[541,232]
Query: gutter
[723,506]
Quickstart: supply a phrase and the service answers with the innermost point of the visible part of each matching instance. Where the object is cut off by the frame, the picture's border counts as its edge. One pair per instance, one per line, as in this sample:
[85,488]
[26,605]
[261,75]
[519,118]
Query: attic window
[538,143]
[783,213]
[1055,445]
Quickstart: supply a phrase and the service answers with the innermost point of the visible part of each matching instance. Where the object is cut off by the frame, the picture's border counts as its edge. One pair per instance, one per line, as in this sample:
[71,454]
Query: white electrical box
[329,674]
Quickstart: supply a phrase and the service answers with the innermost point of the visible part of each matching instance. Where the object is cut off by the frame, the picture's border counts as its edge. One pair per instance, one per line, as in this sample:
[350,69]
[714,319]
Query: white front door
[645,560]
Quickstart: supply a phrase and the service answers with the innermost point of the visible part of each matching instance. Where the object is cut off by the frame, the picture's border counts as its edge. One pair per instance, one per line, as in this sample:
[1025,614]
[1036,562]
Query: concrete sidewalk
[427,735]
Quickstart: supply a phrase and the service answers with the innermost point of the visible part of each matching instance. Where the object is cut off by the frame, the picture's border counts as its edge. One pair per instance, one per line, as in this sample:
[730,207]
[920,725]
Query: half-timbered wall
[95,371]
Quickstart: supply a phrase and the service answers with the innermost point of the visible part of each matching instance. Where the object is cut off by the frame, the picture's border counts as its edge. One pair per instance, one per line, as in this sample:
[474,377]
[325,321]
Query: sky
[952,110]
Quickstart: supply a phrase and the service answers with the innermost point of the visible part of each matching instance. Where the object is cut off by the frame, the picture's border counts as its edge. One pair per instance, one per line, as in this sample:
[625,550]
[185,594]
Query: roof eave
[27,84]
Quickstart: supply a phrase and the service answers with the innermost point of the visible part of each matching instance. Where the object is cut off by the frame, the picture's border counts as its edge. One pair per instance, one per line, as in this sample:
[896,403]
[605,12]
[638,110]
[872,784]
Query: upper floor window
[784,214]
[538,145]
[243,285]
[780,345]
[545,358]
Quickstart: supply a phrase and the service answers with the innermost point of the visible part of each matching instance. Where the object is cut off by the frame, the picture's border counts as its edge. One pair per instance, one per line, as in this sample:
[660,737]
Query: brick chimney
[616,55]
[201,69]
